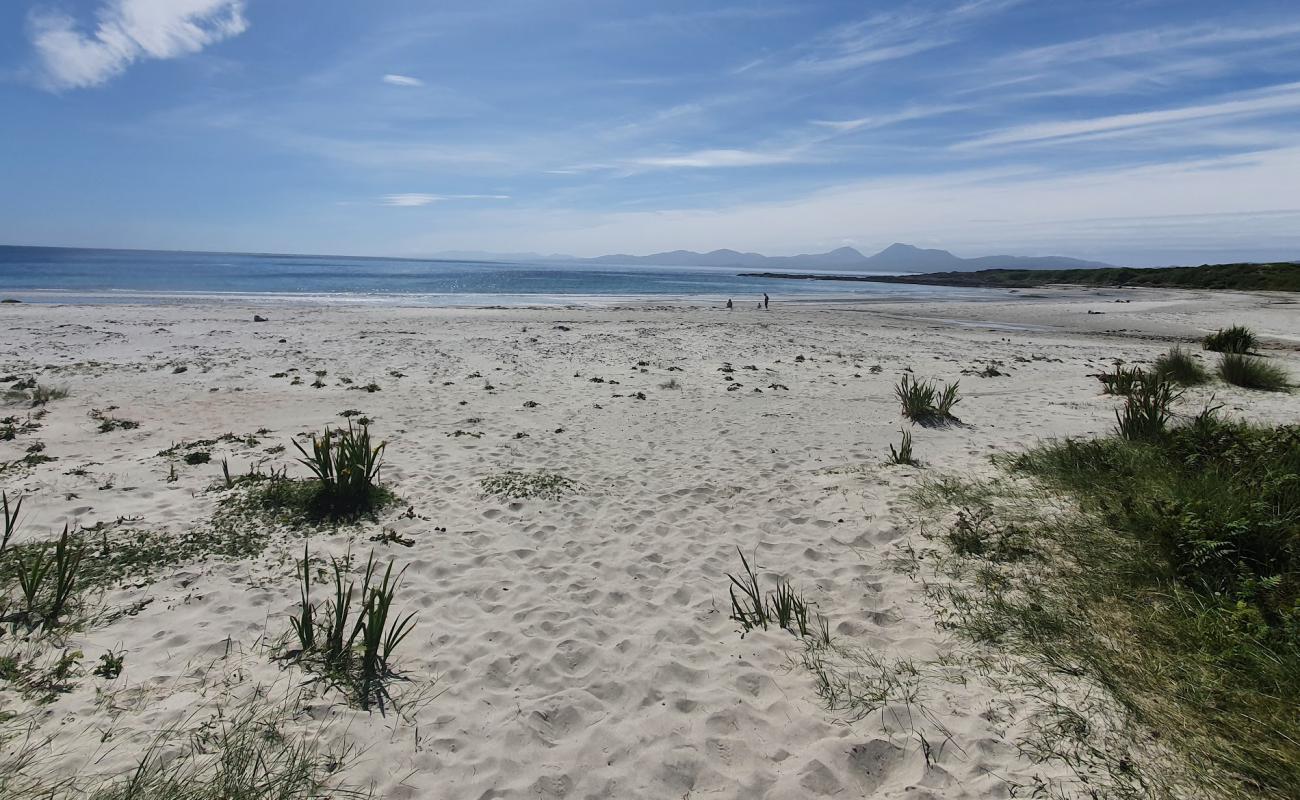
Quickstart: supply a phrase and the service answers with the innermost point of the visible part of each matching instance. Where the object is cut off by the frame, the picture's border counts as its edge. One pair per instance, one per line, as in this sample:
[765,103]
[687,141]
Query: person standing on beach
[765,301]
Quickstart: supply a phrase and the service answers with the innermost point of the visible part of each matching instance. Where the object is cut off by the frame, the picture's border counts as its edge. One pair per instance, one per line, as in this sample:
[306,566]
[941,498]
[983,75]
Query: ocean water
[50,274]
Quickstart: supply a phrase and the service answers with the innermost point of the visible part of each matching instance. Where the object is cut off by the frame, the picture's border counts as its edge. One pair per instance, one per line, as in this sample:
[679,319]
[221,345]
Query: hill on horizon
[896,257]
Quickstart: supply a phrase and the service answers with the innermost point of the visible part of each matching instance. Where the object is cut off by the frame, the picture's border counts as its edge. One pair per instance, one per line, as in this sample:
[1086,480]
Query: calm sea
[52,274]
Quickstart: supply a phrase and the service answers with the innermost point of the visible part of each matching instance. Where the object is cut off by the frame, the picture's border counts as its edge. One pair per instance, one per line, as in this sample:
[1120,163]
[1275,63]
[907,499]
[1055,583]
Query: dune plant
[1237,339]
[784,606]
[1251,372]
[1147,410]
[48,579]
[352,640]
[1181,367]
[10,519]
[903,455]
[1123,380]
[346,465]
[925,403]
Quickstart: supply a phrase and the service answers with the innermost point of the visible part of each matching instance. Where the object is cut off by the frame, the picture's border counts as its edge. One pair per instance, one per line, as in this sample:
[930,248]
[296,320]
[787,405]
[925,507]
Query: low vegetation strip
[1282,277]
[1165,567]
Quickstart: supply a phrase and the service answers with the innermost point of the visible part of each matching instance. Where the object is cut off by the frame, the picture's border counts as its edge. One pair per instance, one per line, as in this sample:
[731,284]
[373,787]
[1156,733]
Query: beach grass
[1252,372]
[1167,570]
[350,638]
[1236,339]
[1182,368]
[925,403]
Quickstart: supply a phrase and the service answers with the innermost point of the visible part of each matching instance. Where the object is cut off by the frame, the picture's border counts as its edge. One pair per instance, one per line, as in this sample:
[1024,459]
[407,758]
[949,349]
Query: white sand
[582,647]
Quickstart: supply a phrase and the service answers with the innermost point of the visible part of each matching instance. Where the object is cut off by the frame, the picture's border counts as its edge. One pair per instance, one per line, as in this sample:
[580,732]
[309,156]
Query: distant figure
[729,306]
[766,300]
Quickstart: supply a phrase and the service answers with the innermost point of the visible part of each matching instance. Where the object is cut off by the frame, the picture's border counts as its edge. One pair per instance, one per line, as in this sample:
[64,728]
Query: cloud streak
[402,80]
[127,31]
[417,199]
[1277,99]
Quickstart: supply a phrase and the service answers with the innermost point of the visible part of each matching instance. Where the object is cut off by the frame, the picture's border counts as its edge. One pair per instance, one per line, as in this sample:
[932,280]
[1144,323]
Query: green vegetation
[925,403]
[525,485]
[1171,578]
[243,753]
[1237,339]
[346,471]
[783,606]
[1282,276]
[903,455]
[1251,372]
[351,648]
[1182,368]
[1123,380]
[1147,410]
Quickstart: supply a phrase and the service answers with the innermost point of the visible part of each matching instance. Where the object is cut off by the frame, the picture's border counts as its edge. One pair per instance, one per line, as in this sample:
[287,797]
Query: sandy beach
[579,646]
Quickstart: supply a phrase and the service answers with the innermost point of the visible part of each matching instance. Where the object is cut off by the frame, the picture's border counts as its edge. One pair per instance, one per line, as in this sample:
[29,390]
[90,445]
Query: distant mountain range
[895,258]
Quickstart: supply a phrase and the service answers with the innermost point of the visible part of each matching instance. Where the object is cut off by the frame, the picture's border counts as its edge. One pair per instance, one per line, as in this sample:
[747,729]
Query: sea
[77,275]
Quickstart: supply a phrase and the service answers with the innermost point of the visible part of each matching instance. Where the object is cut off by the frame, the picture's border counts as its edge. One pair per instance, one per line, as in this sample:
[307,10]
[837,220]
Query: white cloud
[128,31]
[703,159]
[402,80]
[1275,99]
[1205,209]
[416,199]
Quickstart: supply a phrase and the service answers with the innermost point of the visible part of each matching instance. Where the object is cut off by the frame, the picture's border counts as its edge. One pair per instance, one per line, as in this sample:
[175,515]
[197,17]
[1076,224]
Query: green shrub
[1123,380]
[925,403]
[1237,339]
[1251,372]
[346,465]
[1181,367]
[1147,409]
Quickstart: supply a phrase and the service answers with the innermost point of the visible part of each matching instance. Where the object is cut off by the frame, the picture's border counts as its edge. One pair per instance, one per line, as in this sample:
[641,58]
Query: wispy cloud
[886,119]
[127,31]
[706,159]
[417,199]
[886,36]
[402,80]
[1277,99]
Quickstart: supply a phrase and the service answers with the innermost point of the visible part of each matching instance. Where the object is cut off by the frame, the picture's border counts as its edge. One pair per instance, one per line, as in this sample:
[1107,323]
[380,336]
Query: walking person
[766,299]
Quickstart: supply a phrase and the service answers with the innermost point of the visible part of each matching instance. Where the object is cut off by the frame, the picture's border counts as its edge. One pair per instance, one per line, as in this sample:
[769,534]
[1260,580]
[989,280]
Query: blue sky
[1133,131]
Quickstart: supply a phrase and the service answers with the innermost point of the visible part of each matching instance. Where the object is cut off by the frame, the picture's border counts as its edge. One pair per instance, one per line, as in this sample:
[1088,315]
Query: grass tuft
[1181,367]
[1237,339]
[925,403]
[346,466]
[1251,372]
[903,455]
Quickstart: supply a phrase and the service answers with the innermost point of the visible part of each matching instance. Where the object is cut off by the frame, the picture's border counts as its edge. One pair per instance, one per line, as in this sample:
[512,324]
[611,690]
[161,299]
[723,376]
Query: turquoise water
[45,274]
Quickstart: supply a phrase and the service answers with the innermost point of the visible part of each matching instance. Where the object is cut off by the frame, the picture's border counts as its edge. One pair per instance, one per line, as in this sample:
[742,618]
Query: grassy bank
[1164,569]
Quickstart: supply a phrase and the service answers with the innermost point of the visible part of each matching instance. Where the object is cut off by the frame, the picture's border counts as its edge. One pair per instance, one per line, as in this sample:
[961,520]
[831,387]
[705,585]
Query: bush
[1237,339]
[1251,372]
[1181,367]
[925,403]
[1123,380]
[346,466]
[1147,409]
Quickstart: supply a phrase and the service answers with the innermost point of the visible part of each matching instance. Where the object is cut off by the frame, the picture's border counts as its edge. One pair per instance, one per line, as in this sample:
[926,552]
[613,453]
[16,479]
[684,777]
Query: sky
[1142,132]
